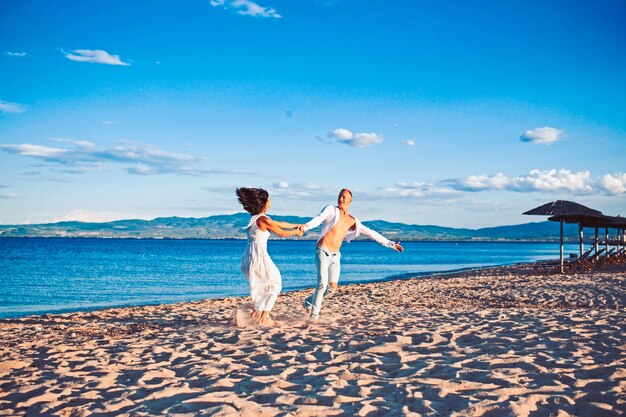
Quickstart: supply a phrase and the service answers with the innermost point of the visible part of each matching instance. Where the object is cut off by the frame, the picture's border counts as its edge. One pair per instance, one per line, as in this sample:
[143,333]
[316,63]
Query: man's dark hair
[253,200]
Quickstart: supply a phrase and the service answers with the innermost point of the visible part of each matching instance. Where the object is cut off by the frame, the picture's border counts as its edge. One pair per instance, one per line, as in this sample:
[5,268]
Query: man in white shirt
[337,226]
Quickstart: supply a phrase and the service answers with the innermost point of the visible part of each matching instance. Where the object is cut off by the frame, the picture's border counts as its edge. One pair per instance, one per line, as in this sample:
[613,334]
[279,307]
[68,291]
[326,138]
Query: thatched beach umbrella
[561,210]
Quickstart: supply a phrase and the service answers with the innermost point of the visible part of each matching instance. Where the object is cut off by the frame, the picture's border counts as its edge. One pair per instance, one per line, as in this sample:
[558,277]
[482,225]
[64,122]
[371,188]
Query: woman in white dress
[256,264]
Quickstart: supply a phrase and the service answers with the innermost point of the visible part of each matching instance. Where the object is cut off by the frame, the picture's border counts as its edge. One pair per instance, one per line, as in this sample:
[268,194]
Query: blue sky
[453,113]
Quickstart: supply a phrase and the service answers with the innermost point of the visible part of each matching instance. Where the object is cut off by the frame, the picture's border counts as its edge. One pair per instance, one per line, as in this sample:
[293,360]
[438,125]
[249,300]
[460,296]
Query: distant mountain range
[232,227]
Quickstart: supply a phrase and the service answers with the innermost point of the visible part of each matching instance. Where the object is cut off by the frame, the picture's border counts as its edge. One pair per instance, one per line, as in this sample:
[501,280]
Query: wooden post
[580,239]
[562,266]
[596,240]
[606,241]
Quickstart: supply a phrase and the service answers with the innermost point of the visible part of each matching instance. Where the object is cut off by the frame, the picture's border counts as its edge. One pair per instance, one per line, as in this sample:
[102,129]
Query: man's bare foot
[254,314]
[333,287]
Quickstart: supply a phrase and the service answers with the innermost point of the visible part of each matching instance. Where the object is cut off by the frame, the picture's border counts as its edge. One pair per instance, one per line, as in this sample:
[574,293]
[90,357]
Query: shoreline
[397,277]
[496,341]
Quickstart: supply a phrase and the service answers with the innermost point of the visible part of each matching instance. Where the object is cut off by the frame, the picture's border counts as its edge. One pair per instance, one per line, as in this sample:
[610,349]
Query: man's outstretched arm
[380,238]
[317,220]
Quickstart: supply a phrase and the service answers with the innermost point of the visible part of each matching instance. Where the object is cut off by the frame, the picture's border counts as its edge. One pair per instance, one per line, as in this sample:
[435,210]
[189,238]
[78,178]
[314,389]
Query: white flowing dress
[257,266]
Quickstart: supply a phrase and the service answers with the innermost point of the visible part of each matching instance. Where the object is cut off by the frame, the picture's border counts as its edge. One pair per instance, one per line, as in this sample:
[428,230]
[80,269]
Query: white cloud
[19,54]
[480,182]
[548,182]
[458,191]
[553,180]
[537,180]
[138,159]
[246,7]
[413,190]
[8,107]
[341,134]
[613,184]
[362,140]
[95,56]
[409,142]
[359,140]
[34,150]
[543,135]
[302,191]
[80,215]
[79,143]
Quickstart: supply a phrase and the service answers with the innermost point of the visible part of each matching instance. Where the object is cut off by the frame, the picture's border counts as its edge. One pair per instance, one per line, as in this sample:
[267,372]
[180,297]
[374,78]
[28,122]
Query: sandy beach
[495,342]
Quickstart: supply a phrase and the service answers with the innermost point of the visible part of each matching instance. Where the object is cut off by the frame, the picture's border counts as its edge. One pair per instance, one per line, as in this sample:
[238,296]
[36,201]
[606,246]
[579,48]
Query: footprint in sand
[245,318]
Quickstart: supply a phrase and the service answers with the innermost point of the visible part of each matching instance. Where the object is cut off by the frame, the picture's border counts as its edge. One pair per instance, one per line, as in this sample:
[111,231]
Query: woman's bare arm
[265,223]
[286,225]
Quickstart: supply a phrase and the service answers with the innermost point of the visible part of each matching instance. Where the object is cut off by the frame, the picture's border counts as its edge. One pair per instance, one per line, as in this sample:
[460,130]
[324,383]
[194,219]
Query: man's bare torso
[334,238]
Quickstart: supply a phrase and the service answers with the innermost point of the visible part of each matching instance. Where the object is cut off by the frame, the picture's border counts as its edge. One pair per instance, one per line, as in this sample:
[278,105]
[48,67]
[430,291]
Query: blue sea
[49,275]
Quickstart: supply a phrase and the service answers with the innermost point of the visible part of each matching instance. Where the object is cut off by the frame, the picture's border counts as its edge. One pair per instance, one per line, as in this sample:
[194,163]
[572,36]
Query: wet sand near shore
[493,342]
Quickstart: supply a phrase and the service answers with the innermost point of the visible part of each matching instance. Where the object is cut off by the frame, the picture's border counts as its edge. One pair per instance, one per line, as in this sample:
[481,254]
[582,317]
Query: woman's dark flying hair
[253,200]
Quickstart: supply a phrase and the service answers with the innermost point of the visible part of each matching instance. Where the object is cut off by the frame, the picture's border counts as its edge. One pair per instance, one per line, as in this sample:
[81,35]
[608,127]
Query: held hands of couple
[398,247]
